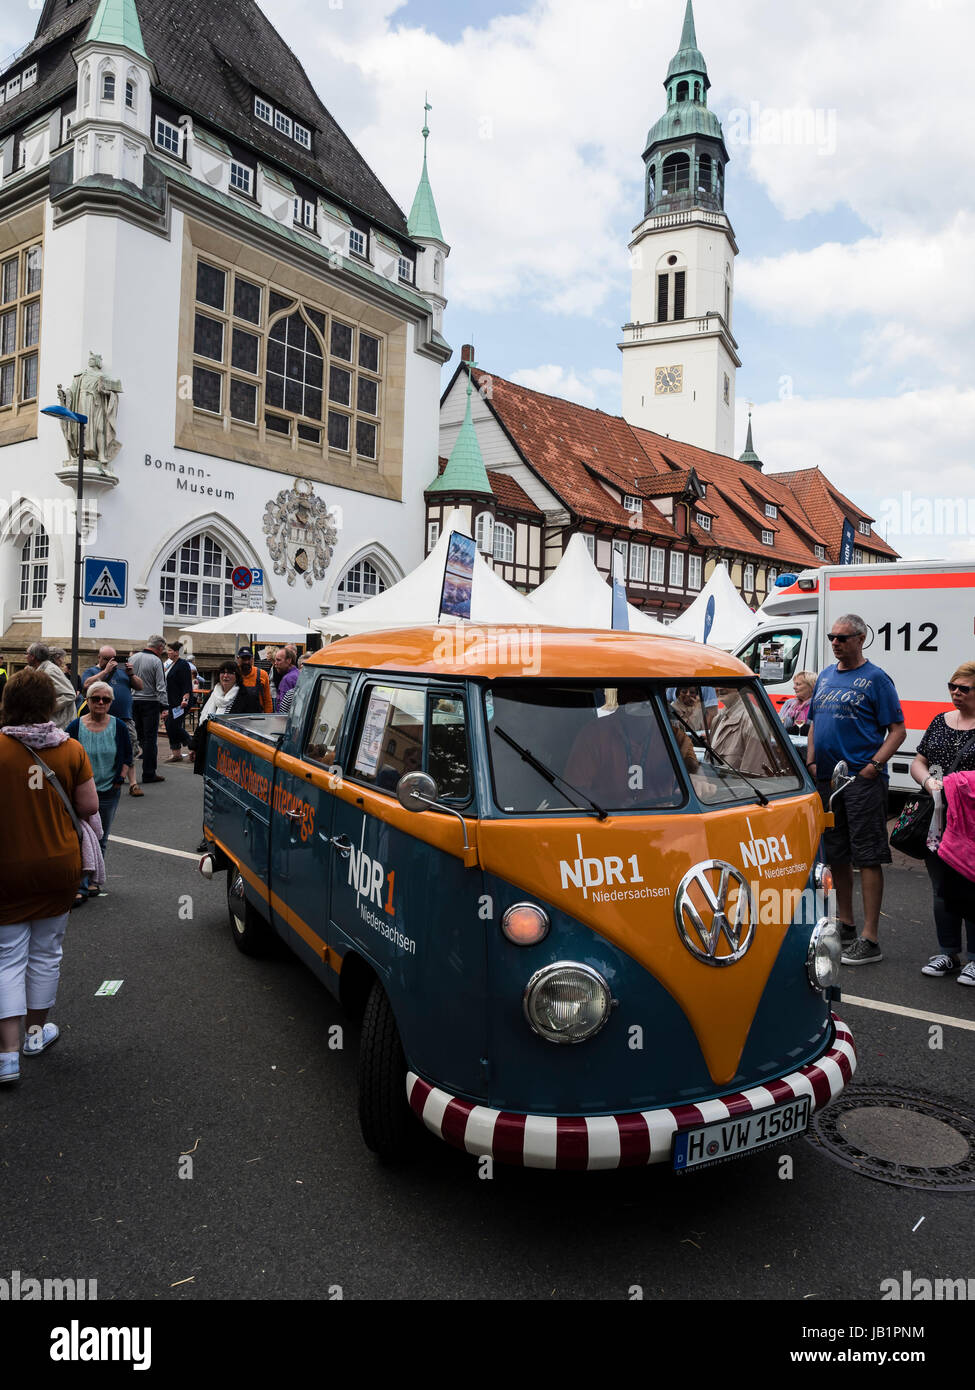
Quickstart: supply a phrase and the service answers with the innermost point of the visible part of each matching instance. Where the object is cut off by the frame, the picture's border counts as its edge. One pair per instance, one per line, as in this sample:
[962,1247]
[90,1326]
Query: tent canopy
[415,600]
[733,619]
[577,595]
[250,622]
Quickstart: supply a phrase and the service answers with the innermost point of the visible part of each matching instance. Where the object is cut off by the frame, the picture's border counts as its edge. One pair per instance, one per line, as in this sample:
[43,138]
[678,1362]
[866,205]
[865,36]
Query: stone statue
[96,395]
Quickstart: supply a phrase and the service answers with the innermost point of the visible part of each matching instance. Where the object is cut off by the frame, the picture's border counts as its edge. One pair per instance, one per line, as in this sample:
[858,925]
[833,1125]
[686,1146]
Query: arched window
[705,173]
[697,91]
[361,582]
[296,369]
[484,533]
[651,184]
[504,543]
[130,95]
[437,263]
[195,580]
[108,86]
[677,173]
[682,91]
[86,86]
[34,556]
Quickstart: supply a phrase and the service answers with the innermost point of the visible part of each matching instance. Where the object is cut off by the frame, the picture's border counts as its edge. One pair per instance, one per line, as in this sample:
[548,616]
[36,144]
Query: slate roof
[571,447]
[210,58]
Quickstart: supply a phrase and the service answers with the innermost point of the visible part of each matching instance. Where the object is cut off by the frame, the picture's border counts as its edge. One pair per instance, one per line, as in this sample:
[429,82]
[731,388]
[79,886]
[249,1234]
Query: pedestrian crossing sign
[105,582]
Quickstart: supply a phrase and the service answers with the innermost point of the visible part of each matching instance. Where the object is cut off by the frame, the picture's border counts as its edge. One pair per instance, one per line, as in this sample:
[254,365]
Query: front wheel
[252,935]
[388,1126]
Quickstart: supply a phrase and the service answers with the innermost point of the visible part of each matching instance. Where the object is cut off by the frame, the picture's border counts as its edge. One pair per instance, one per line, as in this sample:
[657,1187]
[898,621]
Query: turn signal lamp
[525,924]
[824,878]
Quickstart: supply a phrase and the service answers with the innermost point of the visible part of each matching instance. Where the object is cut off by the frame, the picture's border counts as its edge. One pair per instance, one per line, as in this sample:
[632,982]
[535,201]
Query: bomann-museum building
[194,255]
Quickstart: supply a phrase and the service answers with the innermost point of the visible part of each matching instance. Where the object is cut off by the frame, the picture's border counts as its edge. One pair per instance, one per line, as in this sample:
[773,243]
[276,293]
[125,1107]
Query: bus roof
[494,652]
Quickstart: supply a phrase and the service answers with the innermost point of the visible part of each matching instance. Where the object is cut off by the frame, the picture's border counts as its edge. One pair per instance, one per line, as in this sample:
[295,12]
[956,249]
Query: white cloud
[878,450]
[599,387]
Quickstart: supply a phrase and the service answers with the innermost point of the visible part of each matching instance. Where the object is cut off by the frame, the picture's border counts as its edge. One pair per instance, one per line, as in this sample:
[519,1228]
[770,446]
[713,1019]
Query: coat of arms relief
[301,534]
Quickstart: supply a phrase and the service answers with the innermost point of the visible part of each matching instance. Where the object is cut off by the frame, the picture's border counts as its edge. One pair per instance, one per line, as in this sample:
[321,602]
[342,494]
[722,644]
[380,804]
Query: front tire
[252,935]
[388,1125]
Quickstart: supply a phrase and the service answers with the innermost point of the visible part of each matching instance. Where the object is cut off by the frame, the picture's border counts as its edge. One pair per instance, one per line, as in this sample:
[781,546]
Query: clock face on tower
[668,381]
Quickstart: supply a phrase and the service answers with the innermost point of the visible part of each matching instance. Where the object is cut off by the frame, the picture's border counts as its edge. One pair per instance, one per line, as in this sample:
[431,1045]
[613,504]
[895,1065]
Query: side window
[331,699]
[410,730]
[787,645]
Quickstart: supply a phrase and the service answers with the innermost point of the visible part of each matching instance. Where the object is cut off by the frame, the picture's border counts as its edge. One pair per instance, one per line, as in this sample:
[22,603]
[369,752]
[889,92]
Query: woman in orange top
[40,860]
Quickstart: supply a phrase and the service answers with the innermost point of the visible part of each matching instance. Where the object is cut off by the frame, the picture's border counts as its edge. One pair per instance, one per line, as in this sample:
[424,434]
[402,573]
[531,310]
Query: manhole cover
[898,1138]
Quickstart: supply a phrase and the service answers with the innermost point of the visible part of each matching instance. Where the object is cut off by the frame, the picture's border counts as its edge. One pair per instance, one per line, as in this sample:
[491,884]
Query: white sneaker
[940,965]
[967,976]
[40,1038]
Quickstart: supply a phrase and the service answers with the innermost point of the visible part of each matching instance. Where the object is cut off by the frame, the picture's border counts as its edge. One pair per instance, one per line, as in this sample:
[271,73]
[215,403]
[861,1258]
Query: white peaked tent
[577,595]
[415,600]
[733,619]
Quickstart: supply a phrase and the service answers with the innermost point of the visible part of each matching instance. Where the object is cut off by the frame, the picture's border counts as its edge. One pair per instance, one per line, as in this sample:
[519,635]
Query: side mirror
[416,790]
[840,780]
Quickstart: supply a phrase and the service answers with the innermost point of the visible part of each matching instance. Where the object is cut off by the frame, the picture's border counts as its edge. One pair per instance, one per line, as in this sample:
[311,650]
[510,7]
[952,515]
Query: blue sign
[105,582]
[257,578]
[709,618]
[242,577]
[846,545]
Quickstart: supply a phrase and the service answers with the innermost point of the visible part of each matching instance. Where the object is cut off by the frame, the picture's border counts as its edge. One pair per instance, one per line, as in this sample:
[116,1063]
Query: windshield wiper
[547,773]
[708,748]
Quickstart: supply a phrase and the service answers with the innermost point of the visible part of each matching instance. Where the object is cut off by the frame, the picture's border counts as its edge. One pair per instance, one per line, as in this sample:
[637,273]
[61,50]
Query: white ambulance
[921,626]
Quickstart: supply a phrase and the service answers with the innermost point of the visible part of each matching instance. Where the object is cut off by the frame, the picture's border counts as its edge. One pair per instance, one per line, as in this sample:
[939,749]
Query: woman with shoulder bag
[224,698]
[106,741]
[40,859]
[949,743]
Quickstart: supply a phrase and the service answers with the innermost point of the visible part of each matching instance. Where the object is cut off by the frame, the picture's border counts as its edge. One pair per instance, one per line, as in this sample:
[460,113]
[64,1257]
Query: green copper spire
[688,58]
[465,471]
[750,456]
[117,22]
[423,220]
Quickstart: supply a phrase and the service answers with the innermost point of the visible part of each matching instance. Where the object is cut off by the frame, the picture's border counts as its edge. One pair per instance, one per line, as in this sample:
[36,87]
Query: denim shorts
[859,836]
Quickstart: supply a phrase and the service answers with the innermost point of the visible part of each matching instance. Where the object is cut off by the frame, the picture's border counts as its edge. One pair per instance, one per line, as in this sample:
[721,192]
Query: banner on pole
[458,579]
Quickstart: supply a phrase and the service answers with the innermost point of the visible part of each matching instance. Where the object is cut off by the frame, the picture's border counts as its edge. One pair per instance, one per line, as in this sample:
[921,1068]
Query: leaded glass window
[195,580]
[20,325]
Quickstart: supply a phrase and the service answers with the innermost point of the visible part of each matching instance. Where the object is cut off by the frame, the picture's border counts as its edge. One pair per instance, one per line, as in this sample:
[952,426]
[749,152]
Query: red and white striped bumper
[616,1141]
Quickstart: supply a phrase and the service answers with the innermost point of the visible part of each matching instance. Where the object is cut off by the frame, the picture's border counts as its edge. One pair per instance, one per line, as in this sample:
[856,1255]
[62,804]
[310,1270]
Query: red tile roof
[511,494]
[829,508]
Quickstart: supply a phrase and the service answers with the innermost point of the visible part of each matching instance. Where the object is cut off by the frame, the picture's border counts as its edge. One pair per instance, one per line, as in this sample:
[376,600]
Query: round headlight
[567,1002]
[823,956]
[525,924]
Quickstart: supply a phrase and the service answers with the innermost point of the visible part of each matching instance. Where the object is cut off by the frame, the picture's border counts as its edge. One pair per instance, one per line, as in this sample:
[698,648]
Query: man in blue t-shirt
[856,717]
[123,680]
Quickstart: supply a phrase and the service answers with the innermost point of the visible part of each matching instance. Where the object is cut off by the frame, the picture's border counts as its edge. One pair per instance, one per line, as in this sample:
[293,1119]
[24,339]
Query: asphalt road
[207,1054]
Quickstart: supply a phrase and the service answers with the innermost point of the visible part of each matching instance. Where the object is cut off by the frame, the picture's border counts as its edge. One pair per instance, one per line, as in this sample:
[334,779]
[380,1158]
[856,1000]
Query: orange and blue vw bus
[570,879]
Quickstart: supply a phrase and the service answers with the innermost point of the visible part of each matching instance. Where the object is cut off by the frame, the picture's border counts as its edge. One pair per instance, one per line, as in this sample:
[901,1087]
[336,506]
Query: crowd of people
[79,750]
[65,758]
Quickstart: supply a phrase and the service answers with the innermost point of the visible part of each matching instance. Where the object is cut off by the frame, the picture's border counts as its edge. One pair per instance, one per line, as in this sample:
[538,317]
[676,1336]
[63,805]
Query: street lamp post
[61,412]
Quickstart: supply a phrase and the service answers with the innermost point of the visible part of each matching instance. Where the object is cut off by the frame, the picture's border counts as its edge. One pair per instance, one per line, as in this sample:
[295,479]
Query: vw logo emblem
[714,907]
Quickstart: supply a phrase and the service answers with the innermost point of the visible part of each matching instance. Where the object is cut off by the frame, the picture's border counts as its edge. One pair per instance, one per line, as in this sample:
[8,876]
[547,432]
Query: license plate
[699,1148]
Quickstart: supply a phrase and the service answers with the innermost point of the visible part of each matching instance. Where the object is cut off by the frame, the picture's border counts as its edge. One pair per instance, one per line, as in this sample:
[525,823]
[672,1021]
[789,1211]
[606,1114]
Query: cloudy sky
[855,290]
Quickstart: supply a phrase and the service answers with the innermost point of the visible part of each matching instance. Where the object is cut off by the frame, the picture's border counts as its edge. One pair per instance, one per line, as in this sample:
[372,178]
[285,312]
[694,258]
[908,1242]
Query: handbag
[910,834]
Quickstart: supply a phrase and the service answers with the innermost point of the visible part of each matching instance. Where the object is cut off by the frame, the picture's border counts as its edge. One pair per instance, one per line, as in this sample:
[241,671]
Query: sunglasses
[100,699]
[962,689]
[841,636]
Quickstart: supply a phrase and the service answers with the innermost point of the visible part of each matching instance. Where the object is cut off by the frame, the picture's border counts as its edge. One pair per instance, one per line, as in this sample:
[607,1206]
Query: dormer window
[703,521]
[864,528]
[406,270]
[768,537]
[305,213]
[704,490]
[168,136]
[263,110]
[820,552]
[357,242]
[13,88]
[29,77]
[771,512]
[302,136]
[632,504]
[283,123]
[108,87]
[241,178]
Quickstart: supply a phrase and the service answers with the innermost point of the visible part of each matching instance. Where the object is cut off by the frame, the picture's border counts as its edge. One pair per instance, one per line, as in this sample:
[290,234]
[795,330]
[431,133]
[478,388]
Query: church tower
[424,227]
[679,355]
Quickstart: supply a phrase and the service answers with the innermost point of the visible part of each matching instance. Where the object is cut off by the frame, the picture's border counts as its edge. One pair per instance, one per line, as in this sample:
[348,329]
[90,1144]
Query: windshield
[621,748]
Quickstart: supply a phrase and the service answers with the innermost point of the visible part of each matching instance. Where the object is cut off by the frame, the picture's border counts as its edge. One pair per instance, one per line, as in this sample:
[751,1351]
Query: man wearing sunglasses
[857,718]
